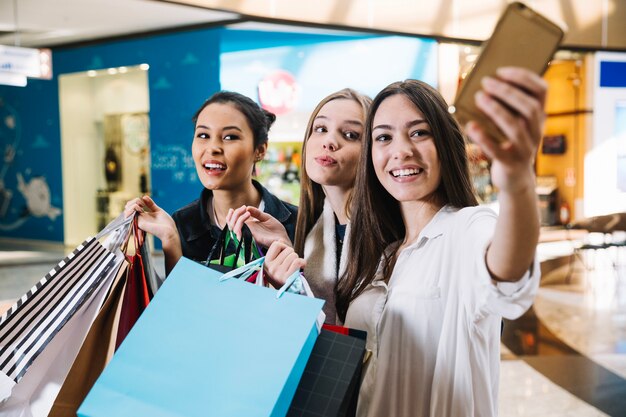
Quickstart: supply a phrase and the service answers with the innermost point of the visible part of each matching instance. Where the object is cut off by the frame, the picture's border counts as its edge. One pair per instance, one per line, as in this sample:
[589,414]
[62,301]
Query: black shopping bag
[330,384]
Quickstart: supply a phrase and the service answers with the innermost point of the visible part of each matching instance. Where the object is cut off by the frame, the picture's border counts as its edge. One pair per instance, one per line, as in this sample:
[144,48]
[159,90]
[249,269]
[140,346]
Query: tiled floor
[571,346]
[565,357]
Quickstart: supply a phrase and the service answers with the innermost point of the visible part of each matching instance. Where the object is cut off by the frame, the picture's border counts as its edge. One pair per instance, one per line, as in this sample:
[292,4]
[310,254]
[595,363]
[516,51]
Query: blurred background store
[109,118]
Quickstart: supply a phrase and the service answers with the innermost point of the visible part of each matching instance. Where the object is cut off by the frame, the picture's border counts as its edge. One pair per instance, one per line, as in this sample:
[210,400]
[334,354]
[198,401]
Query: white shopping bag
[42,333]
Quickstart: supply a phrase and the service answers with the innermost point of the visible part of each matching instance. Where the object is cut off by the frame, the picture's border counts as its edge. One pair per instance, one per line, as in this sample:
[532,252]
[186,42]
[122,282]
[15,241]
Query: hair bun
[271,118]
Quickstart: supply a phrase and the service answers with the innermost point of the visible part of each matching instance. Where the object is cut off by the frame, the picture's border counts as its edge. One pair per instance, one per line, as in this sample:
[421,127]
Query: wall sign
[278,92]
[24,62]
[553,145]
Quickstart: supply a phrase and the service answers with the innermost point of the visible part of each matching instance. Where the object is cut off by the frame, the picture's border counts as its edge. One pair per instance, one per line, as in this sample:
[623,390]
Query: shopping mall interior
[110,119]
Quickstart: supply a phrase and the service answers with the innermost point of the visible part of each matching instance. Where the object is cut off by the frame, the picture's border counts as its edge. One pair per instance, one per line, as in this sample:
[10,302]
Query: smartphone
[521,38]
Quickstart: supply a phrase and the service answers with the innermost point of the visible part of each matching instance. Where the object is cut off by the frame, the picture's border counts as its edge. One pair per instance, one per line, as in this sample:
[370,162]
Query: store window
[105,145]
[290,80]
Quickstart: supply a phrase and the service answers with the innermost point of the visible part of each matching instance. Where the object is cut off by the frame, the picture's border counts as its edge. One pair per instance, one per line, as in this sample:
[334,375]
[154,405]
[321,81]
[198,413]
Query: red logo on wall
[278,92]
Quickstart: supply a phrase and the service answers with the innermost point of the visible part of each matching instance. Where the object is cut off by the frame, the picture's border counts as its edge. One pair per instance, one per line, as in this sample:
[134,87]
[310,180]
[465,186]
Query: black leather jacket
[198,235]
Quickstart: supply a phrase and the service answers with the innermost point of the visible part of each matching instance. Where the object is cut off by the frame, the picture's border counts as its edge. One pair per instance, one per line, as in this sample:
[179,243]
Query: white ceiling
[592,24]
[42,23]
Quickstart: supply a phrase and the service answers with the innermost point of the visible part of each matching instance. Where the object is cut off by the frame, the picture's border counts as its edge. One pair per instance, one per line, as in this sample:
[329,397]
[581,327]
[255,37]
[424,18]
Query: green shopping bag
[229,252]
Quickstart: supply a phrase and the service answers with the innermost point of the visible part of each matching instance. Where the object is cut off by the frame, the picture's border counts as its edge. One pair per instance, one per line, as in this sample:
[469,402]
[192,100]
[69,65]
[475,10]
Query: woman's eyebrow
[232,127]
[386,127]
[407,125]
[224,128]
[415,123]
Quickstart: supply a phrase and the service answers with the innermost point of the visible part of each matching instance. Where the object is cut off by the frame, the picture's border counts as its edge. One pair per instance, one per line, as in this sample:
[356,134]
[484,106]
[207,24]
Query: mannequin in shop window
[231,135]
[330,155]
[112,169]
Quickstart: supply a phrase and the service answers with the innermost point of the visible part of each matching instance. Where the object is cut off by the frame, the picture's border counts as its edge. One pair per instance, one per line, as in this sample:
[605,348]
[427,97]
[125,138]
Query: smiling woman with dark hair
[231,135]
[433,273]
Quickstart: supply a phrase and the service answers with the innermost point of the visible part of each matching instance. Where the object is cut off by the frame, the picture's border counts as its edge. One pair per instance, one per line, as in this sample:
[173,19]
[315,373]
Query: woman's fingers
[132,206]
[525,79]
[239,224]
[298,264]
[513,127]
[509,99]
[274,250]
[257,214]
[149,203]
[513,96]
[235,219]
[280,262]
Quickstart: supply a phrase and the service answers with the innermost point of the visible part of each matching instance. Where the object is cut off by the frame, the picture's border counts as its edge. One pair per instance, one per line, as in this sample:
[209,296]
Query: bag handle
[217,245]
[224,239]
[117,223]
[139,235]
[120,227]
[257,265]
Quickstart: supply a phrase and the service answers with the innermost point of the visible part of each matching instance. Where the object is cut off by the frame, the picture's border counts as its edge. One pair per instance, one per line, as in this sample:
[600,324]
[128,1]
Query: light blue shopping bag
[205,347]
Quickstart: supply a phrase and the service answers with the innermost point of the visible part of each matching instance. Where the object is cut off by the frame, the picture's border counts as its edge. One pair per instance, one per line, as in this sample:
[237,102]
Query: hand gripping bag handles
[41,334]
[209,347]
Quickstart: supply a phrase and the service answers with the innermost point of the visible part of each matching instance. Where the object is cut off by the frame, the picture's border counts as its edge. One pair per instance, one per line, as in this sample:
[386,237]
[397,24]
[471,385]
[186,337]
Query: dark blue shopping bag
[209,348]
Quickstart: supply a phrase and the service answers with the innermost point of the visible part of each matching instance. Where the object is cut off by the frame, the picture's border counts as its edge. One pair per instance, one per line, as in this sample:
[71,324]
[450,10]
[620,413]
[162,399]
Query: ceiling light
[112,71]
[122,70]
[144,67]
[92,73]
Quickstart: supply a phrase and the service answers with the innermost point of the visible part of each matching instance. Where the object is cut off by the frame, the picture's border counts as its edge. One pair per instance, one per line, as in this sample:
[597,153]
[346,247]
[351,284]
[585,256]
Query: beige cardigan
[320,253]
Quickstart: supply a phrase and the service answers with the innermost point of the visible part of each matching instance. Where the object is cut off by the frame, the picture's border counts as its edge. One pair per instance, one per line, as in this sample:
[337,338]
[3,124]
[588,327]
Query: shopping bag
[330,383]
[136,294]
[209,347]
[95,352]
[40,335]
[152,276]
[229,252]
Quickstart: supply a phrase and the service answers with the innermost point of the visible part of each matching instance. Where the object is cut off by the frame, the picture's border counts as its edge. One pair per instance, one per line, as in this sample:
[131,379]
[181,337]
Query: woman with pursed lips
[330,155]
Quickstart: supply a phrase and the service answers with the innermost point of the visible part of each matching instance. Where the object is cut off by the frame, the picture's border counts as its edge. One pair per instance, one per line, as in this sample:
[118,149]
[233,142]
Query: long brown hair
[311,193]
[376,212]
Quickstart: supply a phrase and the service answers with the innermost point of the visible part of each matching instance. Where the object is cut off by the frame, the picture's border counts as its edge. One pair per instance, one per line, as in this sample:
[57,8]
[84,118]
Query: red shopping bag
[136,294]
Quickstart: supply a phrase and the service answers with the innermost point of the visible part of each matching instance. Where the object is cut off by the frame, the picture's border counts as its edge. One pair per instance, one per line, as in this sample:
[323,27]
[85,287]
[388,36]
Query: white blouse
[434,329]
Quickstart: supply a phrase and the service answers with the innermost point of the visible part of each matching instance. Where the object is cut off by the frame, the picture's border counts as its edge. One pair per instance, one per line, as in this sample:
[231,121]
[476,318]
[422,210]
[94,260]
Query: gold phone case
[521,38]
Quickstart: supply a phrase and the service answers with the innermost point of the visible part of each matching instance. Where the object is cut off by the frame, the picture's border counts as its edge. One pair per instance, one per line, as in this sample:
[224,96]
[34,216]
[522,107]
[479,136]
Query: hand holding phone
[521,38]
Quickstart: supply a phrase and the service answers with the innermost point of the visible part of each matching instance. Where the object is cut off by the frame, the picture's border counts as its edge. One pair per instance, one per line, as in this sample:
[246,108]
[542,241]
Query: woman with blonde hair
[330,155]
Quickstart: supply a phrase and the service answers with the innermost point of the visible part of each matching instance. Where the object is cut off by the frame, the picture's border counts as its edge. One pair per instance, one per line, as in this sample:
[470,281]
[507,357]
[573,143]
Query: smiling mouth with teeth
[215,167]
[406,172]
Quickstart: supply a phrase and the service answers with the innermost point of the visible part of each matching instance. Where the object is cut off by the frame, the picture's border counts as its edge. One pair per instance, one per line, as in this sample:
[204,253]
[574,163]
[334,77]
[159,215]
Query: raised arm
[515,102]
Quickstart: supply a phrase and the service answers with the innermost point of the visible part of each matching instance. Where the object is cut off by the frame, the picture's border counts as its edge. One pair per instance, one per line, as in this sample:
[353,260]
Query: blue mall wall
[184,71]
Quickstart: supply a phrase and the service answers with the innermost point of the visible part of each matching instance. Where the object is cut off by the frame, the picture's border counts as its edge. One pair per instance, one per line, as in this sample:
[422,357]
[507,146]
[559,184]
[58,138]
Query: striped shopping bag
[40,335]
